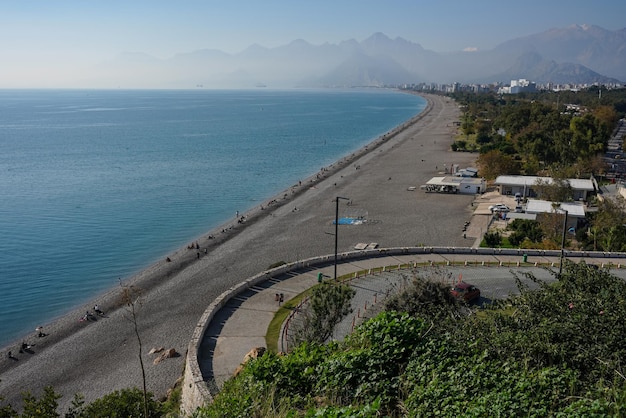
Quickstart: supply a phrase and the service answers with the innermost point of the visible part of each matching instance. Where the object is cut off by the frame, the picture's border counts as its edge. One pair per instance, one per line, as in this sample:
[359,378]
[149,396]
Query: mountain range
[574,54]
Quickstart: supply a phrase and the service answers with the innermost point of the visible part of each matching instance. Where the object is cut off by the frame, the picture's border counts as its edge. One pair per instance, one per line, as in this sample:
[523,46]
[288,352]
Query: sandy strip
[96,357]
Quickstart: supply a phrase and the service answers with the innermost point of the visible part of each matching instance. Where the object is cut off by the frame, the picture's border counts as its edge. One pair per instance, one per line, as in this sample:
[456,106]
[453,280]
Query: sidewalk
[242,324]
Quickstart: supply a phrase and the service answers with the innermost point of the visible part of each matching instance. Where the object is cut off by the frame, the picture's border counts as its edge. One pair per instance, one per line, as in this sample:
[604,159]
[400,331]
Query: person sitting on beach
[86,317]
[97,310]
[24,347]
[40,333]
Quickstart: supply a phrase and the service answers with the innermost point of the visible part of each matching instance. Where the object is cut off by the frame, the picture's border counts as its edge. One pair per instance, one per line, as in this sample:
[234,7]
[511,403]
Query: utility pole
[563,243]
[337,229]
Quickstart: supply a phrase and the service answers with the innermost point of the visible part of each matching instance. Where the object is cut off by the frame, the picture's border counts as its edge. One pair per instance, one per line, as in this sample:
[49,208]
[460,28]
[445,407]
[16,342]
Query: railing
[196,389]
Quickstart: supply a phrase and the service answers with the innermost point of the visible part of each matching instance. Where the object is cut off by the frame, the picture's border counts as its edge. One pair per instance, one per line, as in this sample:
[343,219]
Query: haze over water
[97,185]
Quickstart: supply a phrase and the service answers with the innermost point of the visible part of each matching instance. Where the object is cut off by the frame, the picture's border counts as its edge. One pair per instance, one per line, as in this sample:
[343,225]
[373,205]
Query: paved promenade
[242,323]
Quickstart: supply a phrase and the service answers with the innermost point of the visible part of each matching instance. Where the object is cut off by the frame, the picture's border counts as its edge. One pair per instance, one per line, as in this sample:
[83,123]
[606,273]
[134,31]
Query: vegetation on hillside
[124,403]
[555,351]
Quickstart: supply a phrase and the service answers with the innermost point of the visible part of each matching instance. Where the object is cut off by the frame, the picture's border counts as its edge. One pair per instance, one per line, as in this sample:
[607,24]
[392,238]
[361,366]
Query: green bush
[556,350]
[493,239]
[121,404]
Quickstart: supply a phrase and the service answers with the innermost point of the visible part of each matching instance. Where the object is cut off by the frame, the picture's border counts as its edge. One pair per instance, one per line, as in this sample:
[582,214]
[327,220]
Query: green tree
[326,307]
[607,231]
[525,229]
[467,126]
[493,239]
[44,407]
[483,130]
[426,297]
[589,136]
[495,163]
[6,411]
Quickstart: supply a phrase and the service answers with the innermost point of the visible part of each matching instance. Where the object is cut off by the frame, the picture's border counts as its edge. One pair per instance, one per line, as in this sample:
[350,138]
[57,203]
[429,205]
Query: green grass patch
[273,330]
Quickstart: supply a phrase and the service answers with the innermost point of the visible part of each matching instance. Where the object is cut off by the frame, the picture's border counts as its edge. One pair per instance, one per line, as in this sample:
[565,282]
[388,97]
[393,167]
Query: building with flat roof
[453,184]
[575,210]
[526,186]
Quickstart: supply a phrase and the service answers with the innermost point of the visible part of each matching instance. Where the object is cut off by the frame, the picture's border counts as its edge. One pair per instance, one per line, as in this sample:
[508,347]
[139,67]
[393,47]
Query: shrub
[121,404]
[493,239]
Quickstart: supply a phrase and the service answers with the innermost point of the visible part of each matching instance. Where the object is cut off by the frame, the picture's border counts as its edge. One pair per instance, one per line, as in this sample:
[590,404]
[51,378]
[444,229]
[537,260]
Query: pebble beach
[100,355]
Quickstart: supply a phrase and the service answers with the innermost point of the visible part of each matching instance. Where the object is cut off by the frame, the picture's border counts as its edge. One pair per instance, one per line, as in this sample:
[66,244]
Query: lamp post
[563,243]
[337,229]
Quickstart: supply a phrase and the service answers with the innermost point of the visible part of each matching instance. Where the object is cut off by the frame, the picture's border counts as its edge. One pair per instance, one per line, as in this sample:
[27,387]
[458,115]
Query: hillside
[555,351]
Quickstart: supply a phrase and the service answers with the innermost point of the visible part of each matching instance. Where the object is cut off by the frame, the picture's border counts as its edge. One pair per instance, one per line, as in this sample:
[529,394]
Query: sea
[98,185]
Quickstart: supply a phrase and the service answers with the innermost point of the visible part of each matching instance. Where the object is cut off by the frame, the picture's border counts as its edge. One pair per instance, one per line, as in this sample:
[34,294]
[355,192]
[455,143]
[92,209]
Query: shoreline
[181,257]
[107,345]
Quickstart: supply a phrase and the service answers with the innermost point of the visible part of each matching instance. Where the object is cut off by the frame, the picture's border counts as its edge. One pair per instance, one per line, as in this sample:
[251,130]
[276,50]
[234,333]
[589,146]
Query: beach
[99,356]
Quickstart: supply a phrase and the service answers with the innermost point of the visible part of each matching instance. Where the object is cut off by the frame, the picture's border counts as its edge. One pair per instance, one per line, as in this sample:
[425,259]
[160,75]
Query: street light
[337,229]
[563,243]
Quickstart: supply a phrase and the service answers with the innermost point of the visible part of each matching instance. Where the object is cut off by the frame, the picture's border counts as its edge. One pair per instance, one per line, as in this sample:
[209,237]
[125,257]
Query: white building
[526,186]
[453,184]
[518,86]
[575,210]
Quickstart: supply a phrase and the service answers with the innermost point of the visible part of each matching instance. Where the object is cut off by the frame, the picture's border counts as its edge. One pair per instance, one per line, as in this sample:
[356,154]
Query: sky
[48,38]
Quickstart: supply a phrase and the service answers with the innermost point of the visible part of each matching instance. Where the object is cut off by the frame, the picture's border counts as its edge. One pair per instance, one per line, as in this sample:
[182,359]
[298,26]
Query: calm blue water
[96,185]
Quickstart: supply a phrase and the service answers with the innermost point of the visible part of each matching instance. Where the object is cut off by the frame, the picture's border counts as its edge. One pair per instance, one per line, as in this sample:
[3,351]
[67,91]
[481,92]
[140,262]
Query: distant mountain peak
[299,42]
[581,53]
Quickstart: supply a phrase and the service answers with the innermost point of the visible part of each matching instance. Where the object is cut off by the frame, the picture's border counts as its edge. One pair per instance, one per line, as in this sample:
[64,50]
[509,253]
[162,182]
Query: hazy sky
[62,35]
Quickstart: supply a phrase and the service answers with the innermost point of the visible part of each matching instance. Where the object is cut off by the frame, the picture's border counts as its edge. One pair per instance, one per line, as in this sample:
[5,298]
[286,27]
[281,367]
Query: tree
[552,227]
[45,407]
[467,126]
[495,163]
[589,136]
[525,229]
[483,130]
[6,411]
[557,190]
[493,239]
[130,298]
[607,231]
[426,297]
[607,116]
[326,307]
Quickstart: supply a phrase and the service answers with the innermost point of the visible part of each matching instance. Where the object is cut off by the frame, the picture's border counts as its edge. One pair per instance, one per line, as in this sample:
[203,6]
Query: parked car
[499,207]
[467,292]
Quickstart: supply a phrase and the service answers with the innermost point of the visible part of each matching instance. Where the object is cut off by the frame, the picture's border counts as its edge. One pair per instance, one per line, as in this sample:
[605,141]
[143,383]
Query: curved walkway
[239,321]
